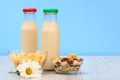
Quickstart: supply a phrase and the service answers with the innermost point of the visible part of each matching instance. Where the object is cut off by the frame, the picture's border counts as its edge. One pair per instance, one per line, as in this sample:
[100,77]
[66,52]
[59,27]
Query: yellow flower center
[29,71]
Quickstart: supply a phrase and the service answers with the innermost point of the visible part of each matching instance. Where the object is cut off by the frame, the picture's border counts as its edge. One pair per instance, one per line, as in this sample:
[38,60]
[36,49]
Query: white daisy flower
[29,69]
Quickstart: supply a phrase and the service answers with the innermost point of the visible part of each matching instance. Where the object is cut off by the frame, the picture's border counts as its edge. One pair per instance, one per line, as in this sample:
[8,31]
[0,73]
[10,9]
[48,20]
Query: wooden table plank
[101,68]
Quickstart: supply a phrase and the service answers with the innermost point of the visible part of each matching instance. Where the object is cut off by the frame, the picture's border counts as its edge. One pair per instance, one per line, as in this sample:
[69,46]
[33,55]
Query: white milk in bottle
[29,30]
[50,36]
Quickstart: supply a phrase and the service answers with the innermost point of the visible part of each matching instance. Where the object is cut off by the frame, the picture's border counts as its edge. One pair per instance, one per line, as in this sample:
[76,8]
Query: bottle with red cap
[29,30]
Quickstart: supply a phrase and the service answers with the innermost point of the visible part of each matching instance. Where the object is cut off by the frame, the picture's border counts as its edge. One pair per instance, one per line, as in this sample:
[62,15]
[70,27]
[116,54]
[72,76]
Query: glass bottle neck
[50,17]
[29,16]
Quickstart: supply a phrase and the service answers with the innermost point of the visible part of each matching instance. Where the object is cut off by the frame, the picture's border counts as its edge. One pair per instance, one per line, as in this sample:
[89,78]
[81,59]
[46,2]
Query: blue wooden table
[93,68]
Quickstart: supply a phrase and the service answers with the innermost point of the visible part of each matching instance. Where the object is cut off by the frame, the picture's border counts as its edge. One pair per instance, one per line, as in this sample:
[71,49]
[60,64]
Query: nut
[67,64]
[72,56]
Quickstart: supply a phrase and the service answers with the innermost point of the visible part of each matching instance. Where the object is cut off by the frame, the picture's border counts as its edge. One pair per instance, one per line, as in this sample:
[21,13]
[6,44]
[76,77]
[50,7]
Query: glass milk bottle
[50,36]
[29,30]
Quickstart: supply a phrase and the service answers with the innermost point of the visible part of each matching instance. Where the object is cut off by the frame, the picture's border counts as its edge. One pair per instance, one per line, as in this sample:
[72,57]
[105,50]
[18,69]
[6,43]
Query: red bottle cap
[29,10]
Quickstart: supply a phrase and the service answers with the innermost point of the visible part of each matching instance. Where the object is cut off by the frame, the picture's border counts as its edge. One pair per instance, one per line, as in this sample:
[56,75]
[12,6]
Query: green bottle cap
[51,10]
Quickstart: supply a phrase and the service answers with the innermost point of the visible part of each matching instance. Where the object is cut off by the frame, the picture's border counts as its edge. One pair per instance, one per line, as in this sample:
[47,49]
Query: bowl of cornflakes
[28,63]
[69,64]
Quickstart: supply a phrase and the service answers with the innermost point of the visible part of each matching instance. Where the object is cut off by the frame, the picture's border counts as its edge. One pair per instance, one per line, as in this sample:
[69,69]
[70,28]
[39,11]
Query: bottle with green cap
[50,36]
